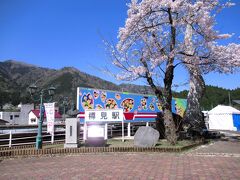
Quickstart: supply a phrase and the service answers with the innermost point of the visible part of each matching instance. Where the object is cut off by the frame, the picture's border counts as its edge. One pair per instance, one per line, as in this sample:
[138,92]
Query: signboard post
[122,131]
[50,115]
[103,116]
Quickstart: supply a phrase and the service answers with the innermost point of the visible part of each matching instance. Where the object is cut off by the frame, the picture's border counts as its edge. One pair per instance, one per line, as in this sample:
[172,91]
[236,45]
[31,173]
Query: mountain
[22,75]
[16,77]
[136,88]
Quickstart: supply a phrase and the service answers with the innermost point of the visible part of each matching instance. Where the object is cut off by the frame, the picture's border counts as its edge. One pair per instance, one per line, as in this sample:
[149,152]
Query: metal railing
[7,140]
[14,138]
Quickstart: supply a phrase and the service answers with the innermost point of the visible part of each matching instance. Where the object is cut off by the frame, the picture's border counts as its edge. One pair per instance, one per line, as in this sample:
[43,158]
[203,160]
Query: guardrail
[3,127]
[28,138]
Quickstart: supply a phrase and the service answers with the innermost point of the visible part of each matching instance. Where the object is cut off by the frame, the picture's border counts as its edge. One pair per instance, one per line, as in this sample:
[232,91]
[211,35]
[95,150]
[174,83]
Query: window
[33,120]
[16,116]
[11,117]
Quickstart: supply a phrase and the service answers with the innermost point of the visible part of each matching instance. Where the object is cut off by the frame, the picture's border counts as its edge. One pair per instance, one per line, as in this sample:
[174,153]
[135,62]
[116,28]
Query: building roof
[3,122]
[221,109]
[36,112]
[236,101]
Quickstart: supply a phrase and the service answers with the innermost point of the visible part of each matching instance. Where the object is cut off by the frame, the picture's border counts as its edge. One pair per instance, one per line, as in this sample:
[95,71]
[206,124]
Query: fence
[14,138]
[8,140]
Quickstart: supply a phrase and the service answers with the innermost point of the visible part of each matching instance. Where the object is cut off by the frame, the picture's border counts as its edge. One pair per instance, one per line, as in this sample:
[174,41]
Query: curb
[26,146]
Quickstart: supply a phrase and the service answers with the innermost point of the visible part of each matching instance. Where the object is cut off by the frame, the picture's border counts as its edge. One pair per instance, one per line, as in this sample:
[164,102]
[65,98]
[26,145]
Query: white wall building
[17,117]
[10,117]
[24,111]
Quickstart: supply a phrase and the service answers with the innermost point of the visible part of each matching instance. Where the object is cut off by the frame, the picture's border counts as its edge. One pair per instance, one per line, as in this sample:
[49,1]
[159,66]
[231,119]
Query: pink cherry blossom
[148,29]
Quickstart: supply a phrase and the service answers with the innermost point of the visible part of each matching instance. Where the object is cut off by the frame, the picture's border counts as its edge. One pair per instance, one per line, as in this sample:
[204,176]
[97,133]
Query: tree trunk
[165,98]
[170,129]
[193,115]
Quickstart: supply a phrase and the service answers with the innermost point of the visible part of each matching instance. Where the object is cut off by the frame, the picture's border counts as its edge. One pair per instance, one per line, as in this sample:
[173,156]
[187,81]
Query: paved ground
[123,166]
[220,160]
[227,145]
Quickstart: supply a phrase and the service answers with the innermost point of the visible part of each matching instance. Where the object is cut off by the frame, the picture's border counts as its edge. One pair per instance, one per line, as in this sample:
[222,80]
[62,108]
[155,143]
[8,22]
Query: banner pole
[52,137]
[106,131]
[122,131]
[85,131]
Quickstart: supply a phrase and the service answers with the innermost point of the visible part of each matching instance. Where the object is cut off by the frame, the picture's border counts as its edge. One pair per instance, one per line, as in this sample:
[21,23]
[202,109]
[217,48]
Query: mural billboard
[136,107]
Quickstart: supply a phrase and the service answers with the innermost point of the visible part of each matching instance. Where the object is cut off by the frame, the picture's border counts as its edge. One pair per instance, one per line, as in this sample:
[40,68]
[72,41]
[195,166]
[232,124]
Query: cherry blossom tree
[212,57]
[160,35]
[193,118]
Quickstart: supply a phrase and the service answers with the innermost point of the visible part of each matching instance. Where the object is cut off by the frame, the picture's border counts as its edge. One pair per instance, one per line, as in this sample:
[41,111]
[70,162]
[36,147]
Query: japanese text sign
[50,114]
[104,115]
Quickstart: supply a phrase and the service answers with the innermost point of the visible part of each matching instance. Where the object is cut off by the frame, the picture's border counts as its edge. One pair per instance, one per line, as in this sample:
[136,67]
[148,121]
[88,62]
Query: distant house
[18,115]
[34,116]
[236,101]
[10,117]
[24,110]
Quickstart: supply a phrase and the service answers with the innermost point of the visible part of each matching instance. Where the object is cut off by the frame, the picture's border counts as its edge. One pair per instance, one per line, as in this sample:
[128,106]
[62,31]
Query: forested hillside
[214,96]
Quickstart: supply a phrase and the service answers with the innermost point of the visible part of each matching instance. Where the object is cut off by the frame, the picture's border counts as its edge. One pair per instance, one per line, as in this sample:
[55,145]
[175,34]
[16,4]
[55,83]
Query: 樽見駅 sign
[108,115]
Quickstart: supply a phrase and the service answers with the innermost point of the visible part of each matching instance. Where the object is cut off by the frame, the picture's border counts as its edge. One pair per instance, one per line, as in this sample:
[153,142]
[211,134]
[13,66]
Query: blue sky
[58,33]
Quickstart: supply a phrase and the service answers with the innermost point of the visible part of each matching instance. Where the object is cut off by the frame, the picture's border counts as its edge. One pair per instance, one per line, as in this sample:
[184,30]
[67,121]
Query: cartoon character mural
[144,103]
[130,103]
[103,96]
[152,107]
[87,101]
[159,106]
[95,94]
[111,104]
[180,105]
[117,96]
[127,104]
[98,106]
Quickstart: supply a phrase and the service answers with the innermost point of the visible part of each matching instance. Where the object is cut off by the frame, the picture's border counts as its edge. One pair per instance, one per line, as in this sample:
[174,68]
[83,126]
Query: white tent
[221,118]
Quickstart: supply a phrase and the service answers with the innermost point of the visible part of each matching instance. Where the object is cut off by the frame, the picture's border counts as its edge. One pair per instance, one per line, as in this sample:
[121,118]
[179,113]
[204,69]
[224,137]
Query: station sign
[104,115]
